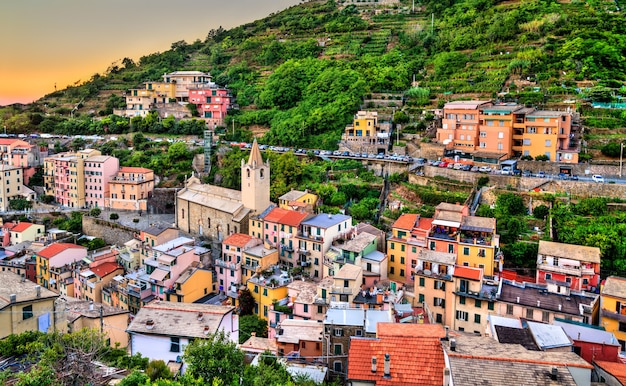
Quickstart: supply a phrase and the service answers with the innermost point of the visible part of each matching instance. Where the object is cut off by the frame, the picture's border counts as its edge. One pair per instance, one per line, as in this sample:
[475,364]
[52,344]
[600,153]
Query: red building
[212,102]
[592,343]
[568,265]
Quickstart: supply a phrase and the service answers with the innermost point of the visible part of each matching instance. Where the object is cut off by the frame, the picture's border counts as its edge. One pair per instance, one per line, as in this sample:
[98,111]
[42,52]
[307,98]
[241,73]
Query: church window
[183,213]
[248,172]
[261,173]
[208,222]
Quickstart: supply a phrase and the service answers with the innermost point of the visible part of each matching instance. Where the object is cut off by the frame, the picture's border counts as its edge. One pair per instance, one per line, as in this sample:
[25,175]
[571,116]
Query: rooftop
[76,308]
[349,272]
[22,226]
[56,248]
[548,336]
[306,291]
[618,370]
[569,251]
[345,317]
[237,240]
[128,169]
[275,215]
[411,330]
[591,334]
[105,269]
[437,257]
[24,291]
[537,296]
[406,221]
[467,272]
[478,224]
[614,286]
[326,220]
[292,195]
[374,317]
[465,105]
[255,343]
[358,243]
[516,335]
[179,319]
[295,331]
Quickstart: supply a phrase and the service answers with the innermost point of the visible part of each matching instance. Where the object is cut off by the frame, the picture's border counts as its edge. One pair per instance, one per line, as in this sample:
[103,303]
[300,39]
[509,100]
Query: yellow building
[433,284]
[25,231]
[408,237]
[366,134]
[266,289]
[25,306]
[548,133]
[111,321]
[298,200]
[193,284]
[613,308]
[478,242]
[257,259]
[474,300]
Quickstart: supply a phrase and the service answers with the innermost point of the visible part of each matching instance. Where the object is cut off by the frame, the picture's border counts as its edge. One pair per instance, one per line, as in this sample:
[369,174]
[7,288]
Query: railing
[576,271]
[304,251]
[341,290]
[225,264]
[613,315]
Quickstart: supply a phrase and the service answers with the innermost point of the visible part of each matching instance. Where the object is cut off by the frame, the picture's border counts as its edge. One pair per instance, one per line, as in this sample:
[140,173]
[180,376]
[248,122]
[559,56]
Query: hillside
[305,71]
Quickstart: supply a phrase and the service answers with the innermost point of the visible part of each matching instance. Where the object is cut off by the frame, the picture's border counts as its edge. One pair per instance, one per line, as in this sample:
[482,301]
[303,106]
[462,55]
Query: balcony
[566,270]
[225,264]
[328,262]
[445,235]
[588,271]
[305,252]
[321,301]
[482,239]
[305,263]
[435,275]
[341,290]
[286,248]
[613,315]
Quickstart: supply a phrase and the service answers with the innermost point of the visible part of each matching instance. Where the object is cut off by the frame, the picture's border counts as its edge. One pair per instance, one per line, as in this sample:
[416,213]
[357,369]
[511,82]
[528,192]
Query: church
[216,212]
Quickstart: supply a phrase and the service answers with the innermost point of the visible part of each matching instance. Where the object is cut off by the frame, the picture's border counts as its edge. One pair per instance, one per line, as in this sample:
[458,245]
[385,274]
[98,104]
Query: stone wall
[574,188]
[110,232]
[607,170]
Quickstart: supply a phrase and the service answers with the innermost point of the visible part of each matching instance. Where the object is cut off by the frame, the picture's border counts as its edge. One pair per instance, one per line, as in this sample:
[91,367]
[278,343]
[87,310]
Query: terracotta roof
[413,361]
[275,215]
[410,330]
[467,272]
[21,227]
[406,221]
[425,224]
[615,286]
[238,239]
[56,248]
[129,169]
[293,218]
[618,370]
[7,141]
[569,251]
[105,269]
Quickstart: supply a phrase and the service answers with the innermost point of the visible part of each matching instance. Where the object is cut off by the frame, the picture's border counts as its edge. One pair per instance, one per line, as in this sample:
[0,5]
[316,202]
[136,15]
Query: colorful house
[26,231]
[298,200]
[212,102]
[613,308]
[575,266]
[130,188]
[409,236]
[193,284]
[266,289]
[474,300]
[112,321]
[366,134]
[98,172]
[228,266]
[300,339]
[434,285]
[55,256]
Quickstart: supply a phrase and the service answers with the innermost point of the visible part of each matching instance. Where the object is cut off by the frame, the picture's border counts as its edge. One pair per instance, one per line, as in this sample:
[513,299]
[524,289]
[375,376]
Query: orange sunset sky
[48,42]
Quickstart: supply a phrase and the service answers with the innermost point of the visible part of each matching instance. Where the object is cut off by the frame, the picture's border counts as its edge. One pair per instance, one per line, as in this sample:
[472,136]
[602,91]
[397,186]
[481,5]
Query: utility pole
[101,319]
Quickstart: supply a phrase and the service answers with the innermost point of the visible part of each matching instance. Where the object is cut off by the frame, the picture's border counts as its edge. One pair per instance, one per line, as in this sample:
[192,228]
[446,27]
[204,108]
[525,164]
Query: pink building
[228,267]
[212,102]
[16,152]
[98,171]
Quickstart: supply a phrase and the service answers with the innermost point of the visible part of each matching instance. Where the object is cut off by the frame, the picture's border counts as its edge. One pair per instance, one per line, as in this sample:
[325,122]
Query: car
[467,168]
[541,174]
[443,164]
[450,165]
[563,176]
[573,177]
[506,170]
[527,173]
[475,169]
[380,156]
[597,178]
[484,169]
[345,154]
[517,172]
[420,161]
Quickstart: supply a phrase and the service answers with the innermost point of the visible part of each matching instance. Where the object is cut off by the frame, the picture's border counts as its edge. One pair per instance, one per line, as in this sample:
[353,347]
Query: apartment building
[613,308]
[98,171]
[266,289]
[409,235]
[89,282]
[315,237]
[141,101]
[474,300]
[485,132]
[347,282]
[64,177]
[12,186]
[192,285]
[130,188]
[366,134]
[434,284]
[26,231]
[360,250]
[302,201]
[212,102]
[576,266]
[185,80]
[18,153]
[228,266]
[55,256]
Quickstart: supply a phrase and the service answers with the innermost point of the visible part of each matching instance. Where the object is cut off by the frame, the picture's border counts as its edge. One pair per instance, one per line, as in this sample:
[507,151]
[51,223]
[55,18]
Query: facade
[315,237]
[590,342]
[300,339]
[185,80]
[408,236]
[64,177]
[474,300]
[298,200]
[434,284]
[193,284]
[613,308]
[25,306]
[161,331]
[54,257]
[212,102]
[459,125]
[361,251]
[90,281]
[228,266]
[25,231]
[366,134]
[256,259]
[12,186]
[141,101]
[346,283]
[575,266]
[266,289]
[21,154]
[98,172]
[130,188]
[87,314]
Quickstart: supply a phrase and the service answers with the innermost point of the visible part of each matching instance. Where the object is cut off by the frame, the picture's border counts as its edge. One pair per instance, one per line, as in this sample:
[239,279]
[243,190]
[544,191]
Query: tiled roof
[450,207]
[237,239]
[569,251]
[255,343]
[275,215]
[24,291]
[412,330]
[21,227]
[349,271]
[293,218]
[618,370]
[358,243]
[516,336]
[466,105]
[529,294]
[56,248]
[406,221]
[494,372]
[615,286]
[129,169]
[412,361]
[467,272]
[295,331]
[105,269]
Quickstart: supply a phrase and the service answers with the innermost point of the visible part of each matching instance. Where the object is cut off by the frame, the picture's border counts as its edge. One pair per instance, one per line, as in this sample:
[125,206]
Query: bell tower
[255,181]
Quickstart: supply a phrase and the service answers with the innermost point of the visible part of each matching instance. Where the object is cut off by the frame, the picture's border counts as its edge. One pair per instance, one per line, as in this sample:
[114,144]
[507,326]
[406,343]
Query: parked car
[443,165]
[541,174]
[597,178]
[527,173]
[563,176]
[457,166]
[573,177]
[467,168]
[506,170]
[484,169]
[475,169]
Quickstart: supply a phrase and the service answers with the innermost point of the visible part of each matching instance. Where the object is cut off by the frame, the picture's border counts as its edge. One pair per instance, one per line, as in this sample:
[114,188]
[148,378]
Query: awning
[475,228]
[158,275]
[447,223]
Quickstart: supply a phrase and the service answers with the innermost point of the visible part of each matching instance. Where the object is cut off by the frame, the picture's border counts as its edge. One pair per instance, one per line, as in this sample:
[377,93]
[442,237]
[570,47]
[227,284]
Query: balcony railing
[225,264]
[613,315]
[304,251]
[575,271]
[341,290]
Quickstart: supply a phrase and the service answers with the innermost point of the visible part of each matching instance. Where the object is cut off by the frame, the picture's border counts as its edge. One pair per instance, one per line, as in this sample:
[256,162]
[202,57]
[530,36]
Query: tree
[246,302]
[95,212]
[510,204]
[215,358]
[251,323]
[612,149]
[541,212]
[136,378]
[157,369]
[114,216]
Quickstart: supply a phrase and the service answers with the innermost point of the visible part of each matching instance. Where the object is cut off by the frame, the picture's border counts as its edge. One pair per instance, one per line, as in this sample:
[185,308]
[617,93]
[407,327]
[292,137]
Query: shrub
[95,212]
[114,216]
[541,212]
[542,157]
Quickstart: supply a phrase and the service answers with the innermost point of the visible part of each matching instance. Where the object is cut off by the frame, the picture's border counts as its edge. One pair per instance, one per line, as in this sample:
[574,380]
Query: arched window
[248,172]
[262,173]
[208,222]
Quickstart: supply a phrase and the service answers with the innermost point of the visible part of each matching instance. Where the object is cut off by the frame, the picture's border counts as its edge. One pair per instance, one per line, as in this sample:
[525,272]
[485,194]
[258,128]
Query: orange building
[130,189]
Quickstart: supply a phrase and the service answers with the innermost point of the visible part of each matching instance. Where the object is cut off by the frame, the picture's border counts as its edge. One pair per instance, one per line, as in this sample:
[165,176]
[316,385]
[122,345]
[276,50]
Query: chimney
[387,369]
[538,303]
[518,299]
[149,324]
[206,330]
[446,376]
[38,290]
[373,364]
[13,298]
[447,331]
[452,344]
[554,374]
[200,316]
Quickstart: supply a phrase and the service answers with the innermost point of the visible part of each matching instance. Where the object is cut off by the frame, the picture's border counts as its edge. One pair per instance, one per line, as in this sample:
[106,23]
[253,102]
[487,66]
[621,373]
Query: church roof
[255,155]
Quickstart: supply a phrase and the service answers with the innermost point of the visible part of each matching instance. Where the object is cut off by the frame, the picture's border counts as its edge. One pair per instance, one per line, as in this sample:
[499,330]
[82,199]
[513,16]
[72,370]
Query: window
[529,313]
[27,312]
[256,289]
[391,270]
[476,318]
[466,251]
[622,326]
[481,252]
[490,306]
[393,258]
[545,316]
[432,246]
[359,332]
[320,309]
[450,248]
[548,276]
[306,308]
[264,291]
[509,309]
[462,315]
[174,344]
[440,285]
[462,300]
[337,366]
[501,133]
[477,303]
[393,246]
[421,298]
[548,143]
[440,302]
[483,134]
[338,332]
[422,281]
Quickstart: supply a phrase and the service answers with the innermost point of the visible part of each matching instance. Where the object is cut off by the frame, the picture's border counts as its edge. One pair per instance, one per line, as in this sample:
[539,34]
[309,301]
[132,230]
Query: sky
[44,43]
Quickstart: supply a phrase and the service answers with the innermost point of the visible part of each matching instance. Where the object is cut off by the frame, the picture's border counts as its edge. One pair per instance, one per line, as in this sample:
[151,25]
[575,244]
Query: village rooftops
[294,331]
[260,251]
[173,244]
[76,308]
[326,220]
[307,291]
[406,221]
[537,296]
[586,333]
[548,336]
[349,272]
[358,243]
[478,224]
[516,335]
[437,257]
[237,240]
[569,251]
[179,319]
[345,317]
[465,105]
[24,290]
[292,195]
[614,286]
